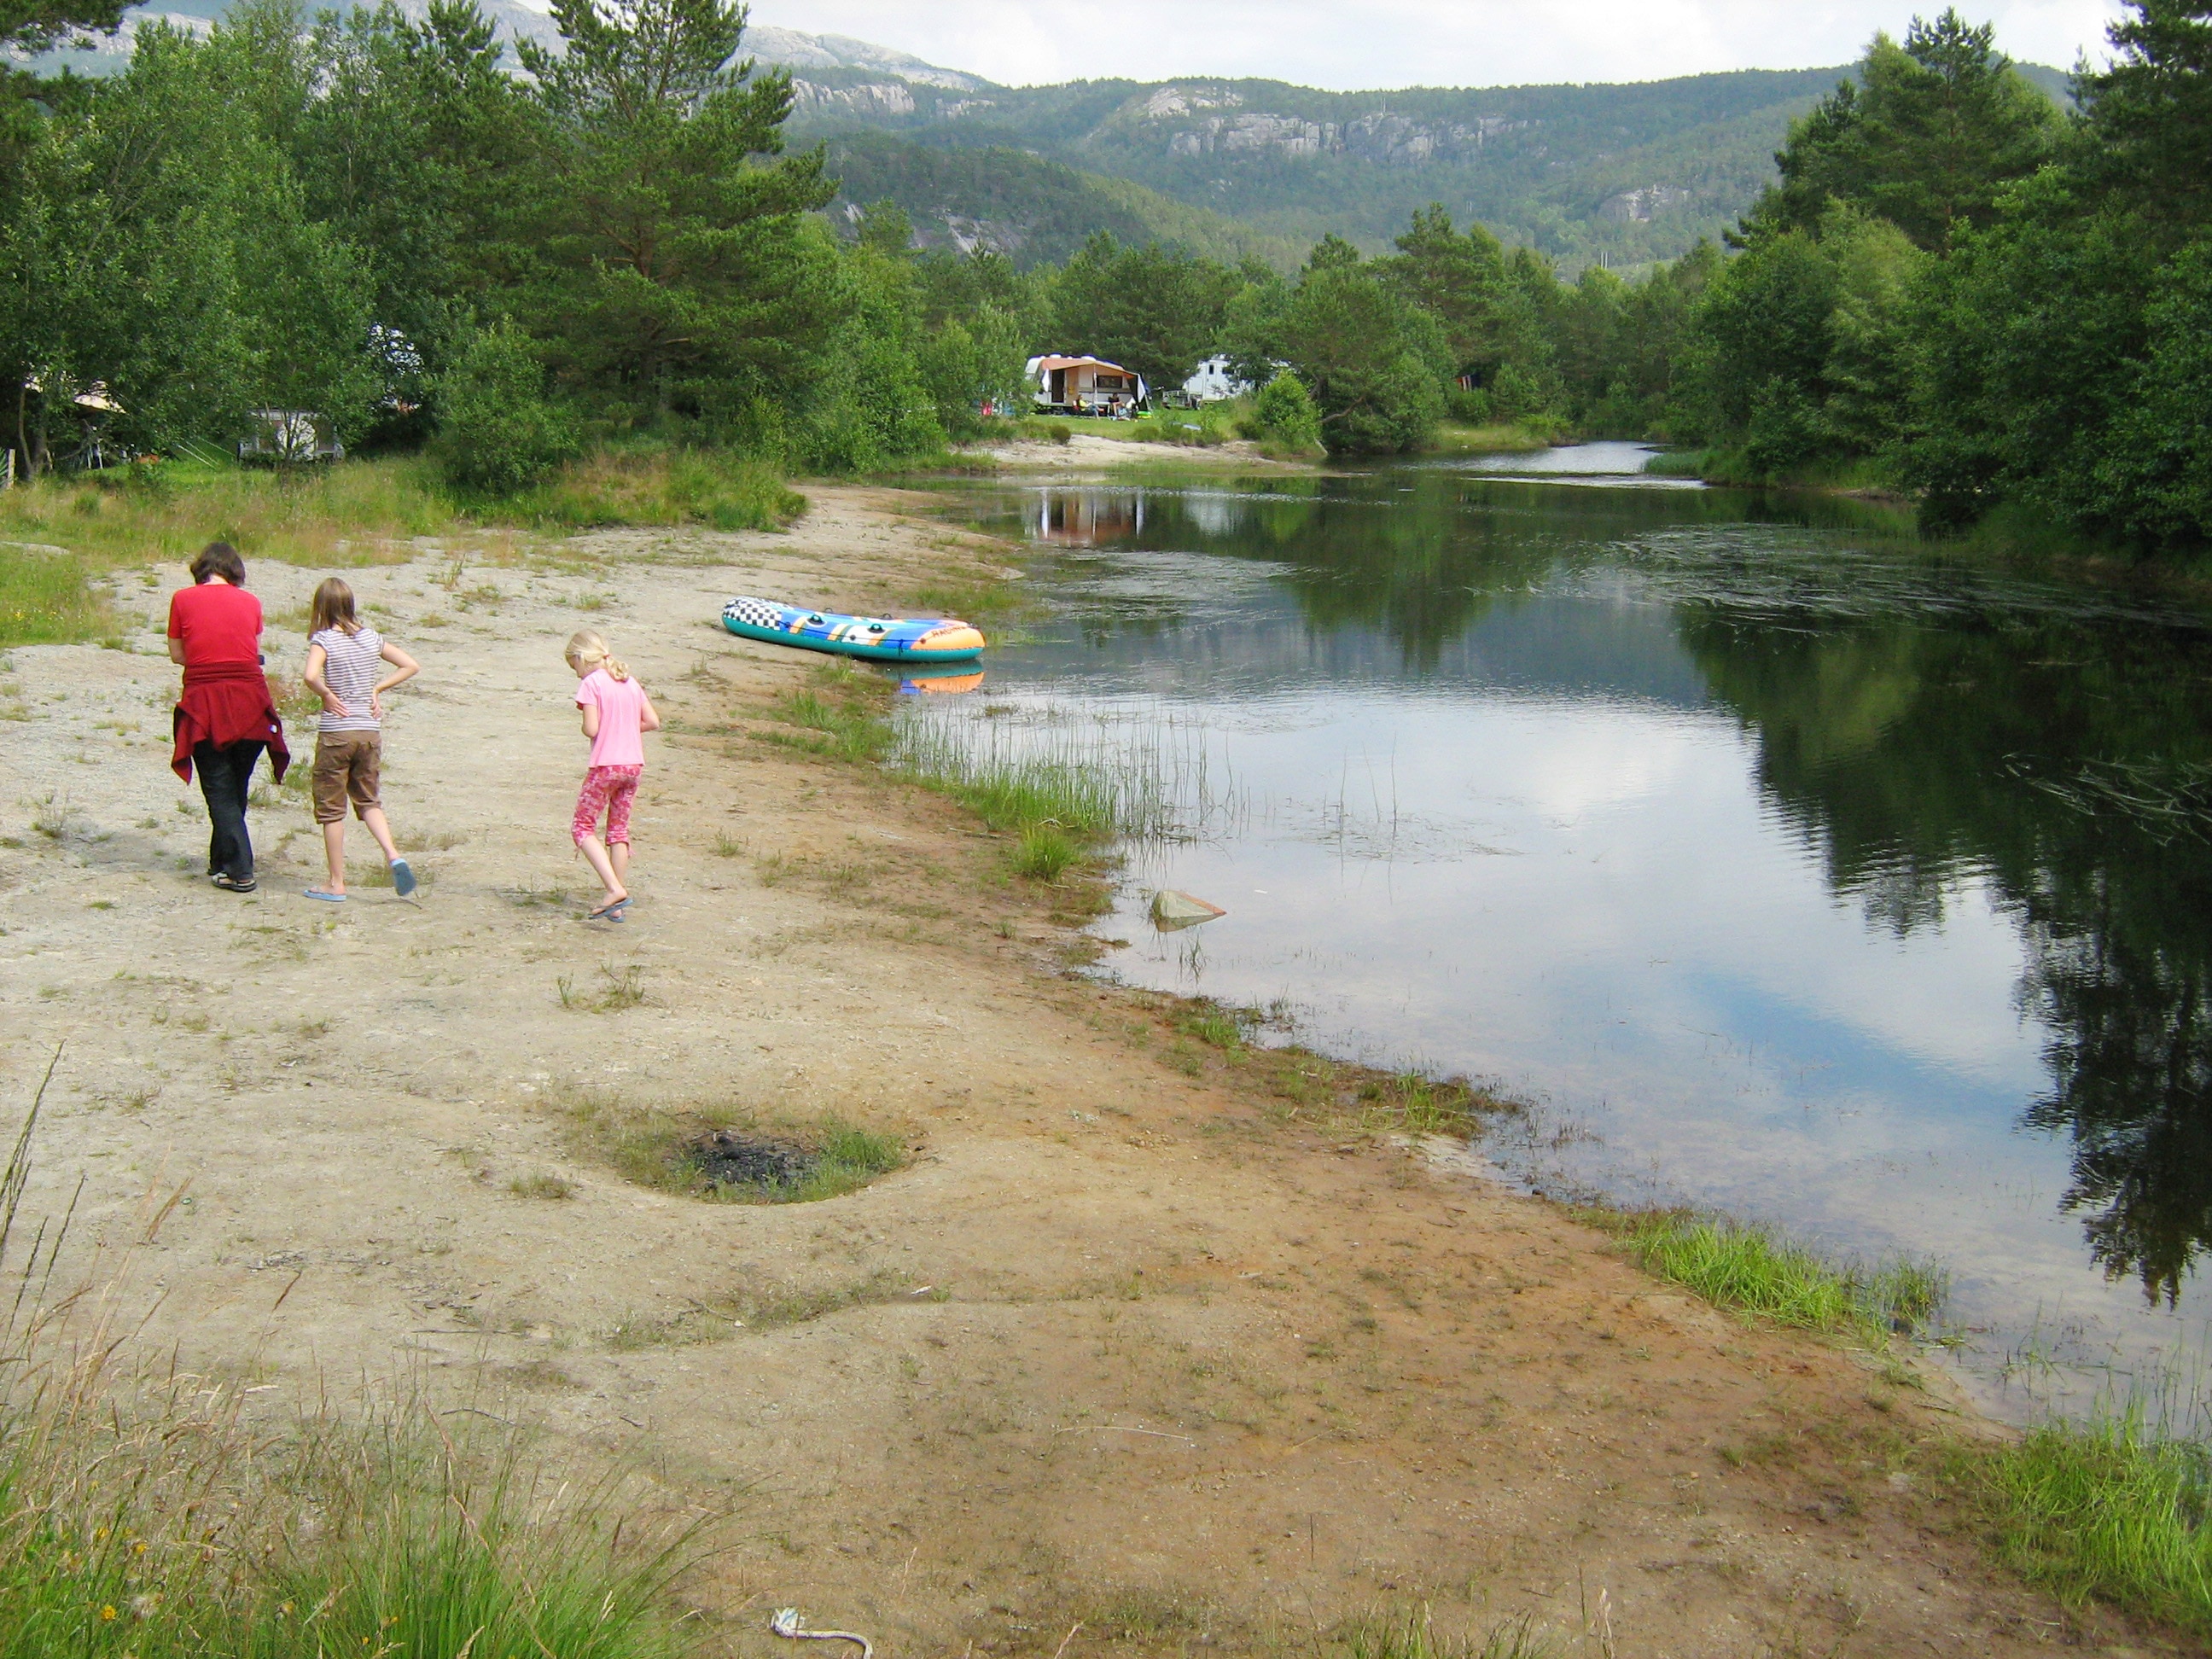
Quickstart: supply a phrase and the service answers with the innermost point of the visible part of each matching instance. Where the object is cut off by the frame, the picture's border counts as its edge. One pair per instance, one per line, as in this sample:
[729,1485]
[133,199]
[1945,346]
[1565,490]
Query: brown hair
[219,559]
[333,608]
[587,650]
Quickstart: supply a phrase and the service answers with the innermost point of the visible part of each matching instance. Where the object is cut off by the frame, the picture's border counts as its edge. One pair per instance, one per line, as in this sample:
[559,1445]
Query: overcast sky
[1349,44]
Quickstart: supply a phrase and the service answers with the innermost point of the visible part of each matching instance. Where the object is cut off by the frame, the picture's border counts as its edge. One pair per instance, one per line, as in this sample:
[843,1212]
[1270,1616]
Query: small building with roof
[1085,385]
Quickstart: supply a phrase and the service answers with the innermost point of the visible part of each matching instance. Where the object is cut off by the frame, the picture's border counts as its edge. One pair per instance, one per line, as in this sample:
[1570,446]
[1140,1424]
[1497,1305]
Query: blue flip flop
[403,878]
[327,898]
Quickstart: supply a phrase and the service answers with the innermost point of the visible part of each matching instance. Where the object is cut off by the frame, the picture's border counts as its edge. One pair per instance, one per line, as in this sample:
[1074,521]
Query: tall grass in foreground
[143,1514]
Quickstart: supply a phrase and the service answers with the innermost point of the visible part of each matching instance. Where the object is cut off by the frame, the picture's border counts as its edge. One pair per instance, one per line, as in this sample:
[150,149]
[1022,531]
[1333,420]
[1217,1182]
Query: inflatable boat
[878,639]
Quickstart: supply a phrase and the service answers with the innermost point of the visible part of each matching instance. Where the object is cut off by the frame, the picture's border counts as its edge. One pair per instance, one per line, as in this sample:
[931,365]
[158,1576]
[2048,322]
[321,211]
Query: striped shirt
[353,667]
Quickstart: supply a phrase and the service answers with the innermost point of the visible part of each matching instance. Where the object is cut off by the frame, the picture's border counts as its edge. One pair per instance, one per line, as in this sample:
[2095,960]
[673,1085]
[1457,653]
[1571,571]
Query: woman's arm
[405,669]
[649,718]
[318,660]
[177,652]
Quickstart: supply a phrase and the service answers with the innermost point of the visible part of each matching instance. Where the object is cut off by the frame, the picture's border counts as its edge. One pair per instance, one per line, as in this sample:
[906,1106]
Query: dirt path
[1119,1348]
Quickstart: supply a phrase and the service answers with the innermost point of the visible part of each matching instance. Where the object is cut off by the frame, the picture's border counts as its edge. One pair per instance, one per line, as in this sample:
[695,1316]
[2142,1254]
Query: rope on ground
[785,1623]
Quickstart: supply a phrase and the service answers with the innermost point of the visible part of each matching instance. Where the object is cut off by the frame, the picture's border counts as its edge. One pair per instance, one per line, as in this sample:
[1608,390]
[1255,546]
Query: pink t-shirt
[620,704]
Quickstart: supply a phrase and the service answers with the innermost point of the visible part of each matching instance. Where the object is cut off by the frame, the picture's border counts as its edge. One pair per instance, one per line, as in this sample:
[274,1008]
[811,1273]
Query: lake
[1787,866]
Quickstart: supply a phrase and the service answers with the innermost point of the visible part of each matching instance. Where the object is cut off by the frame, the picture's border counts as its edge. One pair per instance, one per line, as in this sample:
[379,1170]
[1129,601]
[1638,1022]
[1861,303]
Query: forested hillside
[1617,175]
[1952,287]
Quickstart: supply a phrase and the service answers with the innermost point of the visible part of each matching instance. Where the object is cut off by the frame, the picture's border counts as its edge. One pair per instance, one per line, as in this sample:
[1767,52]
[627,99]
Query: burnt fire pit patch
[727,1158]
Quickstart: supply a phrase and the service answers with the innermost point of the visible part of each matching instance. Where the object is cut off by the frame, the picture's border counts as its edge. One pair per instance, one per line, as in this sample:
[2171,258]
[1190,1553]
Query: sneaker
[403,878]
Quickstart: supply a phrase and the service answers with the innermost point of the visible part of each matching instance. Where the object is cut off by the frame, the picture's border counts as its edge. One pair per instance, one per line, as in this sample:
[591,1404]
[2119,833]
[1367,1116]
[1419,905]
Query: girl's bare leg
[618,856]
[373,820]
[602,867]
[334,855]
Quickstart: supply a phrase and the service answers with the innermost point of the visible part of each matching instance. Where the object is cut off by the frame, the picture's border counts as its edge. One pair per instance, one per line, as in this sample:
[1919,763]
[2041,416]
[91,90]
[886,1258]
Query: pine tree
[683,273]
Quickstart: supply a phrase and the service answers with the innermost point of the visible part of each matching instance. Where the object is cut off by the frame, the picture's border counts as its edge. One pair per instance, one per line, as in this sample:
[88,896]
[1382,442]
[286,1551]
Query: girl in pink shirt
[616,715]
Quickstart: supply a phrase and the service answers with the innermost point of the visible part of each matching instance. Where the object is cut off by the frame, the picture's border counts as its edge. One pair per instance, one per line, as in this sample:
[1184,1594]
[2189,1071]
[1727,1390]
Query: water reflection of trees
[1918,755]
[1418,556]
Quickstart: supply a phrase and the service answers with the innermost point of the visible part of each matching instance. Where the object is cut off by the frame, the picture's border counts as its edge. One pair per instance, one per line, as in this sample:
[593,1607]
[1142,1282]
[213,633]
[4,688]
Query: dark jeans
[226,776]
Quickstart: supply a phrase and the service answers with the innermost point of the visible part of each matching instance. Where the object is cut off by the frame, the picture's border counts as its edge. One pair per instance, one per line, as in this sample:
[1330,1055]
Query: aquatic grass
[988,601]
[2104,1509]
[1421,1102]
[2165,798]
[1219,1024]
[1754,1270]
[1091,783]
[841,727]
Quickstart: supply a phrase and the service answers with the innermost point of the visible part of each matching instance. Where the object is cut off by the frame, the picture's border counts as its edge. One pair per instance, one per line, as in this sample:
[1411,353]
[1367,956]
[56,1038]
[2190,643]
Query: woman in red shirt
[225,717]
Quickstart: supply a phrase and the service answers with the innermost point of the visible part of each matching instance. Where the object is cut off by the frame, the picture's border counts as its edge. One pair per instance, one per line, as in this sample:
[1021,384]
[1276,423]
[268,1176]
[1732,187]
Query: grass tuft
[1414,1636]
[2108,1511]
[1045,852]
[1753,1270]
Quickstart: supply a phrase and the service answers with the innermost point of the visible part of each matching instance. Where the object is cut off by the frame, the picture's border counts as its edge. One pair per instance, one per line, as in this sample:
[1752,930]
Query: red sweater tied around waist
[225,703]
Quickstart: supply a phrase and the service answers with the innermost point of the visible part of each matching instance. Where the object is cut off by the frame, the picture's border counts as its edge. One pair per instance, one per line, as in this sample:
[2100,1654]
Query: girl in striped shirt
[343,660]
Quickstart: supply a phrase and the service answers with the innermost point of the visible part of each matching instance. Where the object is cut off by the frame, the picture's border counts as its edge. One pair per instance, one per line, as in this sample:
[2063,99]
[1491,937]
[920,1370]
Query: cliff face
[1611,174]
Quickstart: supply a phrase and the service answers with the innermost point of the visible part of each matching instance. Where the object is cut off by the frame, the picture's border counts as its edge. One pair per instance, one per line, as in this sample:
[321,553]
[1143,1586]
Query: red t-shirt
[218,623]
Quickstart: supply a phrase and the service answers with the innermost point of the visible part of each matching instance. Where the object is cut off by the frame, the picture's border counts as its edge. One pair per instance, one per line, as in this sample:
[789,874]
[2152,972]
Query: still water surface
[1792,871]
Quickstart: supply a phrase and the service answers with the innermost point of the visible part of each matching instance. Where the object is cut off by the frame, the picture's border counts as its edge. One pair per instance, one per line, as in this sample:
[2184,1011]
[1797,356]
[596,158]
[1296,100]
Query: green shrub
[497,433]
[1283,414]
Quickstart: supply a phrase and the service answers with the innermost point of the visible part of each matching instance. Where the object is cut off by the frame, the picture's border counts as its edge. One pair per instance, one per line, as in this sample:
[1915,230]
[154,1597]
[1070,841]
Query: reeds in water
[1092,777]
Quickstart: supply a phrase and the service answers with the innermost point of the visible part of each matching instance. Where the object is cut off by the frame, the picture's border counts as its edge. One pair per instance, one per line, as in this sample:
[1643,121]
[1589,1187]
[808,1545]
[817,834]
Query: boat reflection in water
[949,679]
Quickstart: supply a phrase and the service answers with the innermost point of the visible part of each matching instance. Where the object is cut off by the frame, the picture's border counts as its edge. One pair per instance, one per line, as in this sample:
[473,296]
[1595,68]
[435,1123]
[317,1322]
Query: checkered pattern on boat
[755,613]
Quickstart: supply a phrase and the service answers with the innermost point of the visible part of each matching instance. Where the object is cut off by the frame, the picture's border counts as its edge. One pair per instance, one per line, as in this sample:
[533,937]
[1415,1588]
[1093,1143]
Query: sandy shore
[1119,1348]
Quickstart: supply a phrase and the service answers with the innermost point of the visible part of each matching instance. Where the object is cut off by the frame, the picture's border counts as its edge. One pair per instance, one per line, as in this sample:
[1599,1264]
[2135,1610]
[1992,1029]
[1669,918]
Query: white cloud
[1395,43]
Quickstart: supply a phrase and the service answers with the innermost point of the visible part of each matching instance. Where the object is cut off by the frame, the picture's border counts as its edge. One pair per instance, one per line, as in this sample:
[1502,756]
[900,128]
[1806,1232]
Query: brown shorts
[347,767]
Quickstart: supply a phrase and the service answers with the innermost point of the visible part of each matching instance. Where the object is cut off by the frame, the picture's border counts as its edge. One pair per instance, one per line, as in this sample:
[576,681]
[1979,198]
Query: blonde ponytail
[587,650]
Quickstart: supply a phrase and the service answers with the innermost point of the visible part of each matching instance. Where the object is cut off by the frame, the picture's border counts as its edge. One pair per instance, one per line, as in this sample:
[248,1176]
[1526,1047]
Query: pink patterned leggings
[609,789]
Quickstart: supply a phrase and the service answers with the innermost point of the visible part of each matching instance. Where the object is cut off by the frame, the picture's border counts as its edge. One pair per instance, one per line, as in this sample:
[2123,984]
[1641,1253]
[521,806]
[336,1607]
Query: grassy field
[58,535]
